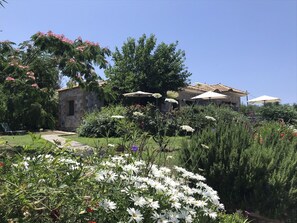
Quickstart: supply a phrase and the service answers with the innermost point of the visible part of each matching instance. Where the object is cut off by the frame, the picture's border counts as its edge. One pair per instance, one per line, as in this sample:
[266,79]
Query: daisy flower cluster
[117,188]
[48,159]
[154,193]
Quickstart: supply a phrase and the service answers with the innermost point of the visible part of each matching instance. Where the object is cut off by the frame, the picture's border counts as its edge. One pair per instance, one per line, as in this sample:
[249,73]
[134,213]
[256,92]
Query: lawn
[174,142]
[34,140]
[169,157]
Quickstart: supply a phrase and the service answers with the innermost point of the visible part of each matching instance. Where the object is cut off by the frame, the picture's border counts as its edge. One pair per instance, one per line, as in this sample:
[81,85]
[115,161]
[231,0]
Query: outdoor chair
[7,130]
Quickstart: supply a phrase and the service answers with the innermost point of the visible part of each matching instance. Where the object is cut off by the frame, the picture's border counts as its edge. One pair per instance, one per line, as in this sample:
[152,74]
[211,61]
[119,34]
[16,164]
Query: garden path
[56,137]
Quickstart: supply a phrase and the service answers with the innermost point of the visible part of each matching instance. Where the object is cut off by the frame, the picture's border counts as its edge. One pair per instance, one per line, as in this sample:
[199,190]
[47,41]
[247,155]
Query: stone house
[190,91]
[73,104]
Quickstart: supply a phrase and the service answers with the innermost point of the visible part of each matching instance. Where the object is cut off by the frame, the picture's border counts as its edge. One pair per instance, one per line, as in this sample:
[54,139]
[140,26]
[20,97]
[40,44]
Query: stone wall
[83,102]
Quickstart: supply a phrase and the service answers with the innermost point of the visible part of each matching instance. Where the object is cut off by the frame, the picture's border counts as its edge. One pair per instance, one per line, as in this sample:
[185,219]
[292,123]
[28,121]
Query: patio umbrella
[210,95]
[264,99]
[137,94]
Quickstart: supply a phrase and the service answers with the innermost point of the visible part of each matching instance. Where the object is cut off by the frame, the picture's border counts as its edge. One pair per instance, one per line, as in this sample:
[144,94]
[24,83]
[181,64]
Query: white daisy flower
[199,203]
[159,218]
[112,177]
[210,118]
[153,204]
[205,146]
[130,168]
[189,219]
[139,201]
[108,205]
[187,128]
[173,217]
[135,215]
[118,116]
[138,113]
[175,204]
[213,215]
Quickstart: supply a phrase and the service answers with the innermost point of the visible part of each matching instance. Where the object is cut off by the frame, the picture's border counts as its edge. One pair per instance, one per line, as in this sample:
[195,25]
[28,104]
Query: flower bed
[63,187]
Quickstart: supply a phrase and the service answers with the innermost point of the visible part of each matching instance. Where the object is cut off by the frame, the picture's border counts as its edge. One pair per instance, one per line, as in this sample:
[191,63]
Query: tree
[2,1]
[75,59]
[28,79]
[145,66]
[29,76]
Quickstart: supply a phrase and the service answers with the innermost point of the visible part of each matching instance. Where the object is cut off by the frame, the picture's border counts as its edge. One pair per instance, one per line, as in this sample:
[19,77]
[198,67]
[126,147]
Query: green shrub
[217,150]
[232,218]
[146,118]
[195,115]
[149,119]
[101,123]
[253,171]
[271,163]
[276,112]
[271,112]
[3,107]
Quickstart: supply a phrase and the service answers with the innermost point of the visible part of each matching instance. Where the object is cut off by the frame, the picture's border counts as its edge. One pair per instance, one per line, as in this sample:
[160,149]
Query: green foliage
[28,81]
[271,167]
[232,218]
[101,123]
[195,115]
[144,65]
[275,112]
[29,76]
[271,112]
[75,59]
[2,1]
[149,119]
[97,125]
[247,167]
[57,186]
[217,151]
[3,102]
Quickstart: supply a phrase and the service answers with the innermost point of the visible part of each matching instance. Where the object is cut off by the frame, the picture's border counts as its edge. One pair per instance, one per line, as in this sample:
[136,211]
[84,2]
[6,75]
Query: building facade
[73,104]
[233,95]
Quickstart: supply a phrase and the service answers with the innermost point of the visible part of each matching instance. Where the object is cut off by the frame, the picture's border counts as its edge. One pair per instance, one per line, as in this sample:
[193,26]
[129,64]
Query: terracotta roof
[204,87]
[223,88]
[215,87]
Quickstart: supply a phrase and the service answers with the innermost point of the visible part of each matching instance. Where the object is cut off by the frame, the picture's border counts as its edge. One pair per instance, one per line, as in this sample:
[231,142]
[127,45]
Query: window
[71,107]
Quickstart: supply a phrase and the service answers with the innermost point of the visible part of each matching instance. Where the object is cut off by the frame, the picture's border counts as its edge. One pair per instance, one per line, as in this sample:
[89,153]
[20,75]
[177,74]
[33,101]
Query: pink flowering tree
[76,59]
[30,74]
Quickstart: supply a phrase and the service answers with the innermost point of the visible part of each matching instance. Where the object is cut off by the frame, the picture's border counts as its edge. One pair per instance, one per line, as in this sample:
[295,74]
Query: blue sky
[246,44]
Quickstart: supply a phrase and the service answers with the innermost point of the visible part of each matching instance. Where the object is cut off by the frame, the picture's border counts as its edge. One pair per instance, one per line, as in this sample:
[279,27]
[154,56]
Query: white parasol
[210,95]
[264,99]
[138,94]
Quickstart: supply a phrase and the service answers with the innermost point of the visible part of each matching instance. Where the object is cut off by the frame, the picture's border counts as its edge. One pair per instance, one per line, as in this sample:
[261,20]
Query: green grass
[9,141]
[174,142]
[35,141]
[167,158]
